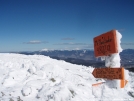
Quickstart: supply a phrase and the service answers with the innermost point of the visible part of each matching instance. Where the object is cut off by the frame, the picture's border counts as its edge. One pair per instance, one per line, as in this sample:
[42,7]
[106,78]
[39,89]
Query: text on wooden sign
[105,44]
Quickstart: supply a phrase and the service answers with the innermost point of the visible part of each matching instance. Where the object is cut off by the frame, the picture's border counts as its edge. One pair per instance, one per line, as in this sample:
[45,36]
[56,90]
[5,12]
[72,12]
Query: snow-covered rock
[40,78]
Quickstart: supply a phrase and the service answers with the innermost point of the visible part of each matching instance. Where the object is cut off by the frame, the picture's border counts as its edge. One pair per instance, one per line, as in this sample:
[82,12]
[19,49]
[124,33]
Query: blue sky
[29,25]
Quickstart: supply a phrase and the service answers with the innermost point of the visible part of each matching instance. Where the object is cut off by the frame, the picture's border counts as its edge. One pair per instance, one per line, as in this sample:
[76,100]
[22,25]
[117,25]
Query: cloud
[71,43]
[127,43]
[67,47]
[75,46]
[35,42]
[67,39]
[121,30]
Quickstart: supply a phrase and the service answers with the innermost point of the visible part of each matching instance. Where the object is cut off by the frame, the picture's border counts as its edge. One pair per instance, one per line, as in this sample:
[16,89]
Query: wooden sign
[109,73]
[105,44]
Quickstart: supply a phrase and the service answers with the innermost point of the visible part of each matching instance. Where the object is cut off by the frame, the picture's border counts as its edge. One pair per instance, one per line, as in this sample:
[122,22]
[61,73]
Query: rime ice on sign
[113,60]
[107,46]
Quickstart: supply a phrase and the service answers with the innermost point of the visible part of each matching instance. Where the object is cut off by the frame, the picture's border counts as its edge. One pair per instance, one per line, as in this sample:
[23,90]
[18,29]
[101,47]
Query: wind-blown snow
[114,59]
[40,78]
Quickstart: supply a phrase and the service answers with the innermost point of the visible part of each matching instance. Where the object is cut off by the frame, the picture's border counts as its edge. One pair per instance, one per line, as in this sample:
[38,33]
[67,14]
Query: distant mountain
[84,57]
[64,54]
[127,57]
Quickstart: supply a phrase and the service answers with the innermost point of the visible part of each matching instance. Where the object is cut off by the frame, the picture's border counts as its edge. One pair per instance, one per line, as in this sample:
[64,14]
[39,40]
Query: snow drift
[40,78]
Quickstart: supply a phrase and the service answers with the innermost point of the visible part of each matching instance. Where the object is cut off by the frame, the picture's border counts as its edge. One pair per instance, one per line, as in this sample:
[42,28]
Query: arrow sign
[109,73]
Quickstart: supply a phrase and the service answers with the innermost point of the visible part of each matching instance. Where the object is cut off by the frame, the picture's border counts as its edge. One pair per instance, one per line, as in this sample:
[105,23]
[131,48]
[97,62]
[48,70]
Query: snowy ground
[40,78]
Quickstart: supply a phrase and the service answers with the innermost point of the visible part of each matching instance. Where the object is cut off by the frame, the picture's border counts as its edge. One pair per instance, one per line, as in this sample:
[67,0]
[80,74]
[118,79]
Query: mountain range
[84,57]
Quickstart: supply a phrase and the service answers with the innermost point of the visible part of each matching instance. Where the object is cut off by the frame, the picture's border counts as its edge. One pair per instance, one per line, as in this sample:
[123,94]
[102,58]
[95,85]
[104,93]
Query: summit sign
[105,44]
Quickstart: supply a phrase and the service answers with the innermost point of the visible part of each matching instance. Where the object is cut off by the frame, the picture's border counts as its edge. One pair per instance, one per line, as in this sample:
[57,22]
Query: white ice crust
[113,60]
[40,78]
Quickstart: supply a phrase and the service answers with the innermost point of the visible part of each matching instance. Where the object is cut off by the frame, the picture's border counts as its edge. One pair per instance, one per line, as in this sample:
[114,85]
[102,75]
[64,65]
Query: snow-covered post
[107,46]
[113,60]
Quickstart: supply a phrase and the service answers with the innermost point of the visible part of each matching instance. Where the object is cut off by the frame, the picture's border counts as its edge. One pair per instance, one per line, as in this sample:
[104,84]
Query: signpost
[109,73]
[105,44]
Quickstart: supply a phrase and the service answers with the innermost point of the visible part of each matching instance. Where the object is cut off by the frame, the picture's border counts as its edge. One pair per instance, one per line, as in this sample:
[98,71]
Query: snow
[40,78]
[114,59]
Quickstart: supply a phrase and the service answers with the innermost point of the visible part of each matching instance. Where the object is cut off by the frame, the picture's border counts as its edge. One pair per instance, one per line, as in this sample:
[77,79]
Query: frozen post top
[114,59]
